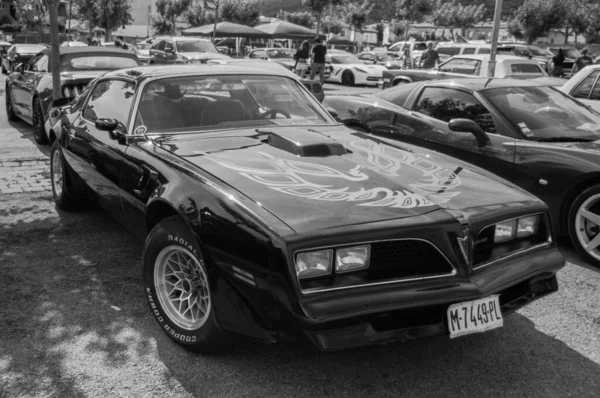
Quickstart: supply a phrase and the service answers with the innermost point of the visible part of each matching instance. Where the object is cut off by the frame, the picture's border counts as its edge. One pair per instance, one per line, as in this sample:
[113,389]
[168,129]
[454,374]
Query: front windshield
[199,46]
[540,52]
[343,59]
[87,61]
[543,112]
[382,57]
[196,103]
[29,49]
[281,53]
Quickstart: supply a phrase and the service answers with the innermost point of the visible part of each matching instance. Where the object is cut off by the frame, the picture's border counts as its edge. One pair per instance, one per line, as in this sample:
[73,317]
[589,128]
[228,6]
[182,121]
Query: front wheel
[59,179]
[584,224]
[177,286]
[39,130]
[10,110]
[348,78]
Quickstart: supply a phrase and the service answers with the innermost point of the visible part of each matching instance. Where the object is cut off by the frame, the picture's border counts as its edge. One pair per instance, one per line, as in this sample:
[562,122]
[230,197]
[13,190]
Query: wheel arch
[159,210]
[574,191]
[398,79]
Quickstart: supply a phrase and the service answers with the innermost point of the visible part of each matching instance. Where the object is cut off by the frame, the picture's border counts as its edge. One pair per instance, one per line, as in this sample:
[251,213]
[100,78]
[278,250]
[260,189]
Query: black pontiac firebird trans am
[265,218]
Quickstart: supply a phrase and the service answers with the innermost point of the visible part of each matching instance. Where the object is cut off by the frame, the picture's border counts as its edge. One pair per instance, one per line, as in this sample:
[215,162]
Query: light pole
[70,16]
[495,30]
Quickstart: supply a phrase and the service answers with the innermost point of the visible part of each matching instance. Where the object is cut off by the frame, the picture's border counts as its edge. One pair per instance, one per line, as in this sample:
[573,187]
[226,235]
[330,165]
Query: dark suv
[183,50]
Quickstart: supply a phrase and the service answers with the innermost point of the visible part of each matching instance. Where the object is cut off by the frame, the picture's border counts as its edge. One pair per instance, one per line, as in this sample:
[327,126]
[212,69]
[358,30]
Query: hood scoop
[304,143]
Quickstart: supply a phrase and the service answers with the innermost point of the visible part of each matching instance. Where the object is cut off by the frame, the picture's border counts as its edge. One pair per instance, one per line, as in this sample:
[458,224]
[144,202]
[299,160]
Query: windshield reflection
[543,112]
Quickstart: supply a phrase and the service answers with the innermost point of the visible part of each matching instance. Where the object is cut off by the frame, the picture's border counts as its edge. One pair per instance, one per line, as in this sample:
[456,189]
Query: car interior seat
[161,113]
[223,111]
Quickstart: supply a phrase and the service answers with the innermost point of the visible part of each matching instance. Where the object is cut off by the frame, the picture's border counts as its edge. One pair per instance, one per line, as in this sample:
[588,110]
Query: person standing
[407,62]
[318,61]
[559,63]
[430,57]
[124,45]
[582,62]
[301,58]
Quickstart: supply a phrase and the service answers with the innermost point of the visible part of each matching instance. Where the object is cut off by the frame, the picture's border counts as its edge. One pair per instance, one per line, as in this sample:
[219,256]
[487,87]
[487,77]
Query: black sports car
[263,217]
[535,136]
[29,87]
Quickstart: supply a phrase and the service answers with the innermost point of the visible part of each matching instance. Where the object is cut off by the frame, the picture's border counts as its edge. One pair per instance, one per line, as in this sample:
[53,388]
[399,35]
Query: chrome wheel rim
[182,287]
[587,225]
[57,173]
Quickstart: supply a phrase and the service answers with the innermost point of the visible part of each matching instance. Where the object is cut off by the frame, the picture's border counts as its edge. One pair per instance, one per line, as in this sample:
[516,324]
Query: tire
[400,81]
[59,180]
[348,78]
[10,111]
[582,230]
[169,244]
[38,123]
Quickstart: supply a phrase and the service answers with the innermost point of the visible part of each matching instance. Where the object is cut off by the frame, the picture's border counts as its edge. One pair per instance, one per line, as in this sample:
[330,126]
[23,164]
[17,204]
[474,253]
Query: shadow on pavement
[26,132]
[61,274]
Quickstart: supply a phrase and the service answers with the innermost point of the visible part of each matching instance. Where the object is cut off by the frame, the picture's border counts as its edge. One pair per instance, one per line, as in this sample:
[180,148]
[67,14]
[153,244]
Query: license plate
[474,316]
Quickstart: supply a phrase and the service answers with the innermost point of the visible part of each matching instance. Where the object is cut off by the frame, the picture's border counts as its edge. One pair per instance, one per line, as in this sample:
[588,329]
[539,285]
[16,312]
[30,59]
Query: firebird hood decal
[438,185]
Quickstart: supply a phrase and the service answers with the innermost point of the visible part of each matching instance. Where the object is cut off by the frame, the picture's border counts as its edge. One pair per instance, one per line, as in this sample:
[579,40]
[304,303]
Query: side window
[463,66]
[583,89]
[169,45]
[484,50]
[110,99]
[595,94]
[259,54]
[446,104]
[80,99]
[32,62]
[469,50]
[39,64]
[161,46]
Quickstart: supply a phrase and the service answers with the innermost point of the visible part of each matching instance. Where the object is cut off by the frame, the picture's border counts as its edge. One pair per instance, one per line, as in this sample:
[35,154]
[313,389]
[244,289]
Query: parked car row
[429,208]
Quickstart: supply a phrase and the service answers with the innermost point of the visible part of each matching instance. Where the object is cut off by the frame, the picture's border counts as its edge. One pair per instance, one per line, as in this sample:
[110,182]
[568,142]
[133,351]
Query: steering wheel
[550,109]
[273,113]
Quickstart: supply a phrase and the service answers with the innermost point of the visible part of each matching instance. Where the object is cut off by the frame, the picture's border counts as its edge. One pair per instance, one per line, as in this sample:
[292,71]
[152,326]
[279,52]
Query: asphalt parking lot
[76,323]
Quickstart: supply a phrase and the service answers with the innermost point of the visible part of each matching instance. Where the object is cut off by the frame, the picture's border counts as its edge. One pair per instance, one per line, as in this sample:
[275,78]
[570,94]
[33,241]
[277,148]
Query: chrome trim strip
[242,272]
[401,280]
[527,249]
[243,278]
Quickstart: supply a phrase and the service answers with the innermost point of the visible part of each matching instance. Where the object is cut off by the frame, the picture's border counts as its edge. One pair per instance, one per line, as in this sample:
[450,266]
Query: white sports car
[349,70]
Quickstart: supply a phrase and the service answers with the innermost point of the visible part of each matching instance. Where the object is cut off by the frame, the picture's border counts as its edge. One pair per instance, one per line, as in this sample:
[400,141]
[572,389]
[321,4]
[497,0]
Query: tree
[535,18]
[54,42]
[31,14]
[578,17]
[355,14]
[332,25]
[108,14]
[168,13]
[468,16]
[302,18]
[318,7]
[245,12]
[412,11]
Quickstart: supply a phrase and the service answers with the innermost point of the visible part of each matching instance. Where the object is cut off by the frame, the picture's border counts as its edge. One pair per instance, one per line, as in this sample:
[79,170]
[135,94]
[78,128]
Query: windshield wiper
[565,139]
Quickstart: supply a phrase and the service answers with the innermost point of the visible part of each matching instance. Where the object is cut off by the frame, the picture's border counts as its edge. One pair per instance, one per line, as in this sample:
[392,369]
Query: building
[7,11]
[141,10]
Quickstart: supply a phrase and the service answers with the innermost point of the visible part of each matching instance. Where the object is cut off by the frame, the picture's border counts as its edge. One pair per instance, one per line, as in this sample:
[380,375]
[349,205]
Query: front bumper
[416,310]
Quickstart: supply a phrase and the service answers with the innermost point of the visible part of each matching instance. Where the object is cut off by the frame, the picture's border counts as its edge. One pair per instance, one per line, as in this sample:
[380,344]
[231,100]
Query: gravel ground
[75,324]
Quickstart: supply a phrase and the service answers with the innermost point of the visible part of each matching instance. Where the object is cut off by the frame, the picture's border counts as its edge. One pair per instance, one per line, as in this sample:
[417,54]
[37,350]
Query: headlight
[312,264]
[352,258]
[360,70]
[527,226]
[505,231]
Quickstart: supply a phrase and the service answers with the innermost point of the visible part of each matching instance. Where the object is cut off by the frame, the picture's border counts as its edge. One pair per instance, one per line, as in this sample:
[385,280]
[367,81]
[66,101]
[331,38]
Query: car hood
[326,177]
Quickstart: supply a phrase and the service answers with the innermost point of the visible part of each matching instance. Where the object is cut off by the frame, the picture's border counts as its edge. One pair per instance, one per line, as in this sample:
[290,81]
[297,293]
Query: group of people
[559,60]
[119,42]
[316,54]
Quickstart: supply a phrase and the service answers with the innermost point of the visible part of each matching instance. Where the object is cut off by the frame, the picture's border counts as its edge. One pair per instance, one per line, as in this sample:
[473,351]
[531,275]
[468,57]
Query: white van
[447,50]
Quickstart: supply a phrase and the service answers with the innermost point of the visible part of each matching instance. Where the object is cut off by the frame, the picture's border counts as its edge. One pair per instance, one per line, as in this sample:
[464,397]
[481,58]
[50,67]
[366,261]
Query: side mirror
[60,102]
[106,124]
[469,126]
